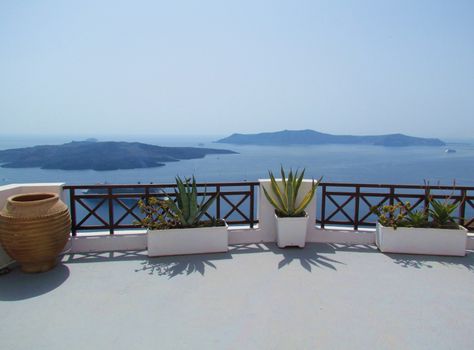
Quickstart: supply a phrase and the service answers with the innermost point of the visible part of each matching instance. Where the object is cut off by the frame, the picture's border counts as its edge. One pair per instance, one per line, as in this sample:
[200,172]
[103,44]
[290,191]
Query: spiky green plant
[417,218]
[441,213]
[283,197]
[164,213]
[187,208]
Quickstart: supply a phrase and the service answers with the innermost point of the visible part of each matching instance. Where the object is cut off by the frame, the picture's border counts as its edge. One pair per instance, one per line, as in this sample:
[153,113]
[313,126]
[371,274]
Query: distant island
[94,155]
[311,137]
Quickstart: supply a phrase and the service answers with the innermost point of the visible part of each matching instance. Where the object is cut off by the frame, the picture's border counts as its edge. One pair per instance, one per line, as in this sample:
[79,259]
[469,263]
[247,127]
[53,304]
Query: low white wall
[13,189]
[100,242]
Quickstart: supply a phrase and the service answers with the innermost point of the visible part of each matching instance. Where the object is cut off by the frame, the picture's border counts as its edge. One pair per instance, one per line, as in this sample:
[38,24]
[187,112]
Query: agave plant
[417,218]
[283,198]
[187,209]
[441,213]
[164,213]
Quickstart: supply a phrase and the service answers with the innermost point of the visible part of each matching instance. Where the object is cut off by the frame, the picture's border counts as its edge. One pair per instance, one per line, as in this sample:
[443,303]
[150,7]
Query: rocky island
[100,155]
[311,137]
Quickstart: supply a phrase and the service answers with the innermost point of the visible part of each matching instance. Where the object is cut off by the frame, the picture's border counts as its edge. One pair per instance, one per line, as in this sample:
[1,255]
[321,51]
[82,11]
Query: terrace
[339,292]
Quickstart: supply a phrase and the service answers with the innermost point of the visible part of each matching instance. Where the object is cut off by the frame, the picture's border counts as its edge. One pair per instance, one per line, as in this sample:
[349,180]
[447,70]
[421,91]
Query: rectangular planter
[187,241]
[291,231]
[431,241]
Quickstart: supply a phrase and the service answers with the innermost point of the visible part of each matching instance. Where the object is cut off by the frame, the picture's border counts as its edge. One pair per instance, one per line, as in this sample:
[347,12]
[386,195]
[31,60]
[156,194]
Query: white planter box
[291,231]
[431,241]
[187,241]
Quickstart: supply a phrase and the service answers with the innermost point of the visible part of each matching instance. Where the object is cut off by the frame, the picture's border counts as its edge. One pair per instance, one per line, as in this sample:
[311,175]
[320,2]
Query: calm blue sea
[338,163]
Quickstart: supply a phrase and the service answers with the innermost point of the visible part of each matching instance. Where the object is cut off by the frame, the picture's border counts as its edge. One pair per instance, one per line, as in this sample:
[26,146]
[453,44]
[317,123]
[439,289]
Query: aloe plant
[283,197]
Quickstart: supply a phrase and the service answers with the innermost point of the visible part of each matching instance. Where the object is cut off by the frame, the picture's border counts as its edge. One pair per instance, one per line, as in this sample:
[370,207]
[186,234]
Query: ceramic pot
[34,229]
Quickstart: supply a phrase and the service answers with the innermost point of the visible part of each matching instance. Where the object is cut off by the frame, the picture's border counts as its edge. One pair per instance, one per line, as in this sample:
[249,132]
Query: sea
[335,163]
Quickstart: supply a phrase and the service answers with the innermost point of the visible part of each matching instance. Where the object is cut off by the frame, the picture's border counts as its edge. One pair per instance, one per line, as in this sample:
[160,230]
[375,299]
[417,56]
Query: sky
[219,67]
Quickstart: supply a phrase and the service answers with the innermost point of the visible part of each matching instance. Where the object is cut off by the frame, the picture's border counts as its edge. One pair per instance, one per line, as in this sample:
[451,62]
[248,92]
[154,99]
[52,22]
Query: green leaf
[272,201]
[280,197]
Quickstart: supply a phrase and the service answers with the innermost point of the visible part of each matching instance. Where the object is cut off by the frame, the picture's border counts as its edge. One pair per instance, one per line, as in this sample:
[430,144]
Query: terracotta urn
[34,229]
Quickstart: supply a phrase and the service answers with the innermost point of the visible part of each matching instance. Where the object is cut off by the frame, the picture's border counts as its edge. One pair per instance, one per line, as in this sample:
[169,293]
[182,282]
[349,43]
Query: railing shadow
[356,248]
[308,257]
[93,257]
[18,285]
[429,261]
[172,266]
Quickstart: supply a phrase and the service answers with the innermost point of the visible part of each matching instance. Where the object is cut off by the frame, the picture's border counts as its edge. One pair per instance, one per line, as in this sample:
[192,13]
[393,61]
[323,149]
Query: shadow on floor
[428,261]
[18,285]
[356,248]
[172,266]
[308,257]
[73,258]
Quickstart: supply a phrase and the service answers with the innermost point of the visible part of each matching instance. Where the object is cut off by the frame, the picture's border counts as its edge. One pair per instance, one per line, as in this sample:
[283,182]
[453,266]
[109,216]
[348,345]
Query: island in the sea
[311,137]
[111,155]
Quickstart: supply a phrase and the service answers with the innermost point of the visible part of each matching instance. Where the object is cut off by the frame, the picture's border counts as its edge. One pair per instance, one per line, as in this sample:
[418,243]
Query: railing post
[392,195]
[218,201]
[72,205]
[147,195]
[252,205]
[462,207]
[111,211]
[427,198]
[356,208]
[323,206]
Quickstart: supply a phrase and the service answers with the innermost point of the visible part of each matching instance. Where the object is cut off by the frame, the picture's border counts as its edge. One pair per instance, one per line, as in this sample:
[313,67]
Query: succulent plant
[441,213]
[417,218]
[283,197]
[438,215]
[157,214]
[392,215]
[187,211]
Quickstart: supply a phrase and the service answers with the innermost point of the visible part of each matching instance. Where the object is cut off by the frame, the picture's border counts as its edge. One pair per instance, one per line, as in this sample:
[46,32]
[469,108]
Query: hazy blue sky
[217,67]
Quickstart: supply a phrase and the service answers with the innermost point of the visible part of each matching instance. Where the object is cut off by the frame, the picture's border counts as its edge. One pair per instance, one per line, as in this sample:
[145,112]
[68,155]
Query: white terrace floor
[254,297]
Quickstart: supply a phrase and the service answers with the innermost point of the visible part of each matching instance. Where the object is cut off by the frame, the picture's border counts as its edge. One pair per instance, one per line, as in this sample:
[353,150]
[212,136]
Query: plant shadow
[308,257]
[172,266]
[430,261]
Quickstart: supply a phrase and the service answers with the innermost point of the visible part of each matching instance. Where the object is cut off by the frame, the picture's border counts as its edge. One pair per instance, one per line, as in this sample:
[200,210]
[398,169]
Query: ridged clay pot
[34,229]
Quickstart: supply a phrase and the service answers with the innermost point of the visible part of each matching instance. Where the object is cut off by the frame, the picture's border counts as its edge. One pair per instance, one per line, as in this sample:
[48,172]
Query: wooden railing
[349,205]
[115,207]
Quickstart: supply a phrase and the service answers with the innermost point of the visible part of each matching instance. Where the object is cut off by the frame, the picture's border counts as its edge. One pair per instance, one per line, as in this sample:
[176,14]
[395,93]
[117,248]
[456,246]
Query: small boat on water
[449,150]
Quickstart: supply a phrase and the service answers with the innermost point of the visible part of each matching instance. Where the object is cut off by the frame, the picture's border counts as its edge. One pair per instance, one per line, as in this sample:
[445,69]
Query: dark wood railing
[349,205]
[115,207]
